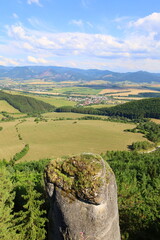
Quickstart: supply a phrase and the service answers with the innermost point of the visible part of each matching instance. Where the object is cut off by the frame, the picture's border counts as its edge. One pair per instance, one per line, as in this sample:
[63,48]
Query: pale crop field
[126,92]
[5,106]
[156,120]
[58,138]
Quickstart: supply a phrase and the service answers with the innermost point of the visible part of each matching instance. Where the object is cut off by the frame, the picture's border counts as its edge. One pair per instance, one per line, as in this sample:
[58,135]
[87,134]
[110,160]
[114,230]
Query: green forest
[138,109]
[145,108]
[24,205]
[26,104]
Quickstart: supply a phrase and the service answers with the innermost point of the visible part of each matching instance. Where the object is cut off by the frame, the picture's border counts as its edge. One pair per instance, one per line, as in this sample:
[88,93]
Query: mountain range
[54,73]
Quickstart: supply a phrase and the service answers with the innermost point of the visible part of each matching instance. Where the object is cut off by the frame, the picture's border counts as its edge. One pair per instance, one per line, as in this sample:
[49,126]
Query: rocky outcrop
[83,199]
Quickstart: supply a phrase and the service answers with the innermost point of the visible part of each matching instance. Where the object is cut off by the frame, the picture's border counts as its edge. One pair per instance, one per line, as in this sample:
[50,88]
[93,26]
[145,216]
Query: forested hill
[145,108]
[26,104]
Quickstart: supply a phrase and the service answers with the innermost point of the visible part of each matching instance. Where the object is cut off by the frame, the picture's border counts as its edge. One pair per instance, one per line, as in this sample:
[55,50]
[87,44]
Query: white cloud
[15,16]
[148,23]
[34,1]
[16,31]
[7,61]
[27,46]
[89,24]
[81,24]
[36,60]
[66,42]
[34,22]
[78,23]
[121,19]
[45,42]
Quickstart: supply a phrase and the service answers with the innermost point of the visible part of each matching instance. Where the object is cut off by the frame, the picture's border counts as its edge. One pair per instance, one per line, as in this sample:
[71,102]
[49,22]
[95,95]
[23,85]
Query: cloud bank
[138,49]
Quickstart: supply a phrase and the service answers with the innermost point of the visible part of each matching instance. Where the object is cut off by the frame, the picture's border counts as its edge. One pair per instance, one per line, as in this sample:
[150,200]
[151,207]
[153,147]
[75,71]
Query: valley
[43,120]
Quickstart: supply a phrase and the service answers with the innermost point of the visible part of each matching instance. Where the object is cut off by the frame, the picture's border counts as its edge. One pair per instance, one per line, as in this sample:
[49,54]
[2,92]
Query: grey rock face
[83,199]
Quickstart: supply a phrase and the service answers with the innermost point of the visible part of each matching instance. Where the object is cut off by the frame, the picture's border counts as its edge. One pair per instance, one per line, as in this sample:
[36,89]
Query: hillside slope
[26,104]
[145,108]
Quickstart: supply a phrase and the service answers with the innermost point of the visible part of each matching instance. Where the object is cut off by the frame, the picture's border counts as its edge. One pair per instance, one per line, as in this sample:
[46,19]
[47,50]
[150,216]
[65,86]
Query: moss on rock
[80,176]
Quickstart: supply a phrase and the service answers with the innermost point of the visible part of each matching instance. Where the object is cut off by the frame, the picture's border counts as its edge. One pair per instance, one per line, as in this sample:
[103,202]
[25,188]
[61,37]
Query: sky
[116,35]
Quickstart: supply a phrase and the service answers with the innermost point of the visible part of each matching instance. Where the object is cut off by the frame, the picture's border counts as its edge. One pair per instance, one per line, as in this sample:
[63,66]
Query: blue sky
[118,35]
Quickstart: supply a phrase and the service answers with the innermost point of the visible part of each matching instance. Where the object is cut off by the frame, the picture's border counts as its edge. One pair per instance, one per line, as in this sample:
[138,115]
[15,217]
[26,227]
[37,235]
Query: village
[93,100]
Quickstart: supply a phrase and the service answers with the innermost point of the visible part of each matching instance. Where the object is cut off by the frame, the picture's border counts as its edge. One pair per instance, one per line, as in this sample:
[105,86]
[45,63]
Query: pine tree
[6,205]
[30,222]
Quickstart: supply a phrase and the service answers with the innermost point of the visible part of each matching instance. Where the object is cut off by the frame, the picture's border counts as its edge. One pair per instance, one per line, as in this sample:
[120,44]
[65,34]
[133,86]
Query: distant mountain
[140,76]
[54,73]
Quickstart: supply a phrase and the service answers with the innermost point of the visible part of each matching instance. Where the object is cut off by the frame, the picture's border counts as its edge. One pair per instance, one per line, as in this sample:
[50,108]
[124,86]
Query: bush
[141,145]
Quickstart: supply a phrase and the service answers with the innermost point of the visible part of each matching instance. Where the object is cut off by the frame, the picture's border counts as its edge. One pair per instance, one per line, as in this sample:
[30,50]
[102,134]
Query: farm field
[126,92]
[102,105]
[6,107]
[55,101]
[156,120]
[76,90]
[58,138]
[54,115]
[126,98]
[67,91]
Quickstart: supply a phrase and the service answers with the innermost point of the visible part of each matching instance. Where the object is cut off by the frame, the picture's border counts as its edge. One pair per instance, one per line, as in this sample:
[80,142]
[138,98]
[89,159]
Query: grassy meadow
[55,101]
[6,107]
[76,90]
[58,138]
[55,115]
[9,141]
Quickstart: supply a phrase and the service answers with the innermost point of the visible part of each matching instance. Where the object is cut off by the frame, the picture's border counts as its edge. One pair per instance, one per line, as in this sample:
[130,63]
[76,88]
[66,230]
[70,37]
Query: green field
[76,90]
[57,138]
[101,105]
[54,115]
[55,101]
[6,107]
